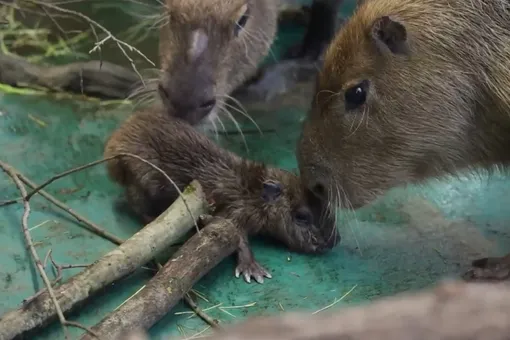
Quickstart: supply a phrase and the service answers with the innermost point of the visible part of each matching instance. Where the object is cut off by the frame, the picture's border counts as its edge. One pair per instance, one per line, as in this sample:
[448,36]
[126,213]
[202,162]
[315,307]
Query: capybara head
[293,215]
[273,202]
[207,49]
[395,103]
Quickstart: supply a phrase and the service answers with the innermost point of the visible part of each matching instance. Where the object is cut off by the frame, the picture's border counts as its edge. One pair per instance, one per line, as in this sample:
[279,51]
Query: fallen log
[141,248]
[95,78]
[92,78]
[191,262]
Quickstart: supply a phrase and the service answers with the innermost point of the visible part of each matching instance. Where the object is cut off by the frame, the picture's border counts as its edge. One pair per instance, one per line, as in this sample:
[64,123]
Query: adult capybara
[208,48]
[410,89]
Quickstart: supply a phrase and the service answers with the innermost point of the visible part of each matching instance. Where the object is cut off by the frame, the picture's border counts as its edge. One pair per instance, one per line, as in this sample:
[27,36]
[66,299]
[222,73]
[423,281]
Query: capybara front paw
[252,269]
[489,269]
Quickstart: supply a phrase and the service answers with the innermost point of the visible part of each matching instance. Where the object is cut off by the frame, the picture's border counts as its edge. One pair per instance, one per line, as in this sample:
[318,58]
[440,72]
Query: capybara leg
[246,264]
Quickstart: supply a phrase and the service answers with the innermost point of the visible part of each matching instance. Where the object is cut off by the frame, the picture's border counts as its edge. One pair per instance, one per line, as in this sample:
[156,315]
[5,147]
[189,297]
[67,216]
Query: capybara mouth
[330,241]
[319,244]
[325,223]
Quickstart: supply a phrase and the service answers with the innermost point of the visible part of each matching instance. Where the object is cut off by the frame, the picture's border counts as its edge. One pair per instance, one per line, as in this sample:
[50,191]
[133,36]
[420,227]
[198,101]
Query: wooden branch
[30,244]
[88,224]
[92,78]
[96,78]
[451,311]
[141,248]
[200,313]
[192,261]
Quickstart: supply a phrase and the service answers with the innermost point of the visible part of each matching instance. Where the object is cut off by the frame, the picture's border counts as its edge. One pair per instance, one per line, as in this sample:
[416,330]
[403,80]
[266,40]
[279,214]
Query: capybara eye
[241,22]
[356,96]
[303,216]
[271,190]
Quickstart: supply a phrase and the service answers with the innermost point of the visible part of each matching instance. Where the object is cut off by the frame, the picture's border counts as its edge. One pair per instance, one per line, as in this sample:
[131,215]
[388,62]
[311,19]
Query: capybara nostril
[320,191]
[208,105]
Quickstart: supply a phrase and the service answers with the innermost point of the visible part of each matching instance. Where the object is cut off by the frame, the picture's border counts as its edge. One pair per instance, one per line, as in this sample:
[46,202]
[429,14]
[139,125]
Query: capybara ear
[390,34]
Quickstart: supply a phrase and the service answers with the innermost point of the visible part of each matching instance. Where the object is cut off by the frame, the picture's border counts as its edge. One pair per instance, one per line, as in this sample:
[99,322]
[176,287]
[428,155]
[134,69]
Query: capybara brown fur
[410,89]
[258,198]
[210,48]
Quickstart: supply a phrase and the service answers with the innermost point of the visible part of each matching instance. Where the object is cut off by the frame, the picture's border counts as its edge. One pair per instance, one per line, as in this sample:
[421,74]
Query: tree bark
[141,248]
[192,261]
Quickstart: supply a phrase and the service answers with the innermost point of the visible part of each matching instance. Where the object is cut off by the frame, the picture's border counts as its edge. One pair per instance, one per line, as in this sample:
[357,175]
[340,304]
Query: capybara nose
[318,205]
[319,190]
[315,182]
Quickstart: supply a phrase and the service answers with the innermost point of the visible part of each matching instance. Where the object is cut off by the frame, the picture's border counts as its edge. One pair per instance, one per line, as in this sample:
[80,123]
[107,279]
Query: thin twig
[119,155]
[63,174]
[55,22]
[336,301]
[99,51]
[200,295]
[199,312]
[92,226]
[204,310]
[28,239]
[61,267]
[46,258]
[85,328]
[38,188]
[58,276]
[138,250]
[109,36]
[198,335]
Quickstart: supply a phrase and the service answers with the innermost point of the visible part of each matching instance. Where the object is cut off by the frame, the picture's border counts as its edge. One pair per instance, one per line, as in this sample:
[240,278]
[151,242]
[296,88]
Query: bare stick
[109,35]
[192,261]
[95,163]
[67,173]
[141,248]
[58,278]
[60,267]
[122,45]
[451,311]
[30,244]
[89,224]
[199,312]
[86,329]
[119,155]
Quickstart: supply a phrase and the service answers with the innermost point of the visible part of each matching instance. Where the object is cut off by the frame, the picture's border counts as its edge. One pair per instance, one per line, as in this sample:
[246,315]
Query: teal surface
[407,240]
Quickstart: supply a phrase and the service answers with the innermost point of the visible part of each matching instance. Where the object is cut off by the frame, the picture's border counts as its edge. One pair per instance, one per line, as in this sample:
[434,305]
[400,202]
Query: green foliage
[37,44]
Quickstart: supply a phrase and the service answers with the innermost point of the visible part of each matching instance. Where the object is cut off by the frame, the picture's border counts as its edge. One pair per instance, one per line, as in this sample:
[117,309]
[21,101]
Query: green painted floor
[407,240]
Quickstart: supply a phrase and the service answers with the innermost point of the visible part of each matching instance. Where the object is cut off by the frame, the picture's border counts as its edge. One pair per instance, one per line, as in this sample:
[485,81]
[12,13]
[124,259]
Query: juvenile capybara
[208,48]
[258,198]
[410,89]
